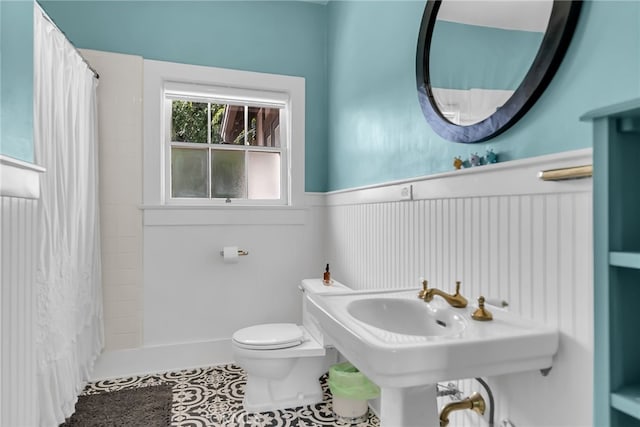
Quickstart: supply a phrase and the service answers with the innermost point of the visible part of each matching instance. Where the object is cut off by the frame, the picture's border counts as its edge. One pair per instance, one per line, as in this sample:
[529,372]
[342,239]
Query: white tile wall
[120,118]
[164,283]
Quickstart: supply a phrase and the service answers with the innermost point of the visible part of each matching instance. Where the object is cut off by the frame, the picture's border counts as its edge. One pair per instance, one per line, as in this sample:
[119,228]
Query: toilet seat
[270,336]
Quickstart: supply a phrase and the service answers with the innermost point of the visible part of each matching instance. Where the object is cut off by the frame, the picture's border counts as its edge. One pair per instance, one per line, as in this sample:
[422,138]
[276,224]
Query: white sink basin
[400,341]
[406,317]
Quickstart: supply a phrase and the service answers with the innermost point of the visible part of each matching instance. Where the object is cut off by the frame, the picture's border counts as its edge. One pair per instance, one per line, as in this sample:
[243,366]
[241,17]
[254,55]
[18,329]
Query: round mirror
[482,64]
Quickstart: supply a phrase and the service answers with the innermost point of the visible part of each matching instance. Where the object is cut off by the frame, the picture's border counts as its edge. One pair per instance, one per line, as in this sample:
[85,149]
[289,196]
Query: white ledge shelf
[19,178]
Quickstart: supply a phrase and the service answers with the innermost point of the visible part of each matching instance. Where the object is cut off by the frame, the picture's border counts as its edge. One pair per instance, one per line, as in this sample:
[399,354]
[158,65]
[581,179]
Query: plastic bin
[350,390]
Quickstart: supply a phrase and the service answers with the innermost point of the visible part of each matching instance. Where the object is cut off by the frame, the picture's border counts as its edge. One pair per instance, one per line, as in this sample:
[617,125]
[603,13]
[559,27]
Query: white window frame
[161,76]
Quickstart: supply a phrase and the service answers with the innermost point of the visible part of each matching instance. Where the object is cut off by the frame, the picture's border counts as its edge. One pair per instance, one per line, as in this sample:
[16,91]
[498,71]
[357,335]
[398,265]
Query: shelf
[624,109]
[616,239]
[627,400]
[625,259]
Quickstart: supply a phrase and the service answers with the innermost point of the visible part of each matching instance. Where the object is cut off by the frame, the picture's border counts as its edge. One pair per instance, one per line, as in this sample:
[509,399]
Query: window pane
[227,124]
[264,127]
[217,116]
[189,121]
[264,175]
[227,174]
[188,172]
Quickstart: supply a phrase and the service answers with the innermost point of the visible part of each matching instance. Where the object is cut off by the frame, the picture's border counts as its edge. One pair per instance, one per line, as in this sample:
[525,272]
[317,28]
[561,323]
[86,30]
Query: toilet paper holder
[240,252]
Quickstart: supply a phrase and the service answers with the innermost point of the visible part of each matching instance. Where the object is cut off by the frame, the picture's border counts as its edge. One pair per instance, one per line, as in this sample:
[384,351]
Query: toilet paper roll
[230,254]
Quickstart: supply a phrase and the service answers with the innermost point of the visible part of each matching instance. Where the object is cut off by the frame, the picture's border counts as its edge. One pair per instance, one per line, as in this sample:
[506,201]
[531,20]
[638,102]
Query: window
[219,138]
[225,145]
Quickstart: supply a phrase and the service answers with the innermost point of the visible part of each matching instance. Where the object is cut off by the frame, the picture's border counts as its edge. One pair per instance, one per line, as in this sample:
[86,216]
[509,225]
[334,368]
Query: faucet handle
[425,287]
[481,314]
[461,301]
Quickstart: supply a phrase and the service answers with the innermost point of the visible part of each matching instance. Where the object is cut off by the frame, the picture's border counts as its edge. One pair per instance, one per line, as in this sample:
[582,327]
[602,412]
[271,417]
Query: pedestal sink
[406,346]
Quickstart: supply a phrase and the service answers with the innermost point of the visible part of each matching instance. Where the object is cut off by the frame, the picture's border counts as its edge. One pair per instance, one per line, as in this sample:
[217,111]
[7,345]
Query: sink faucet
[456,300]
[475,402]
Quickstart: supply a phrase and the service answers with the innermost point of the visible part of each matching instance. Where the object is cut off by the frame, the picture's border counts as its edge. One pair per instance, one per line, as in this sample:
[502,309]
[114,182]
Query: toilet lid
[269,336]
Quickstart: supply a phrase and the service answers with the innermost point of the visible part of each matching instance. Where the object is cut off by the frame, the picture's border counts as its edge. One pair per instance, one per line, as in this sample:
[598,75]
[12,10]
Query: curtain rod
[45,16]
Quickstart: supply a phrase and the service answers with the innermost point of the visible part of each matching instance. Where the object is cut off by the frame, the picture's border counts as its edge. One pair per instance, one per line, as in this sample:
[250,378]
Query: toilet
[284,361]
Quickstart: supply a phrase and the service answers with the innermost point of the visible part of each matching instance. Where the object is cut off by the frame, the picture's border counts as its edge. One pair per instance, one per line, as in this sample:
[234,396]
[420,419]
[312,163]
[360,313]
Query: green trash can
[350,390]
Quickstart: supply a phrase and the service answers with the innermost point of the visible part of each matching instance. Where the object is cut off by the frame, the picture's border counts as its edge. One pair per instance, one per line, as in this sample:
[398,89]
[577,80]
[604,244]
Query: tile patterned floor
[213,397]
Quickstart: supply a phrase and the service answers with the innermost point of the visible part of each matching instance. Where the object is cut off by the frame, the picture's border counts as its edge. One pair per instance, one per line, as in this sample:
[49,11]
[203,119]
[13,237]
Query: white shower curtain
[68,275]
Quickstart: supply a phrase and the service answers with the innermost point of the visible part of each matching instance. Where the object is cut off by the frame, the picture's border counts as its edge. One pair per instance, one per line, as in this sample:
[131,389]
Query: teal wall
[376,129]
[465,56]
[282,37]
[16,79]
[364,123]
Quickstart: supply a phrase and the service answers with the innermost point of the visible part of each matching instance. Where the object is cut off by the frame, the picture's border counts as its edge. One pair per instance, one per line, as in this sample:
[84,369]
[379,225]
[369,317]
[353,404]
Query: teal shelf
[616,241]
[625,259]
[627,400]
[630,108]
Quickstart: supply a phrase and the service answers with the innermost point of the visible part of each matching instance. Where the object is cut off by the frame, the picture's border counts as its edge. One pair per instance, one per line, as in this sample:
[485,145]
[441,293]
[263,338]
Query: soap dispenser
[326,279]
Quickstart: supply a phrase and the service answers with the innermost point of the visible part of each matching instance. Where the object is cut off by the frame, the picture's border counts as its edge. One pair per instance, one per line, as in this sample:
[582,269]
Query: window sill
[160,215]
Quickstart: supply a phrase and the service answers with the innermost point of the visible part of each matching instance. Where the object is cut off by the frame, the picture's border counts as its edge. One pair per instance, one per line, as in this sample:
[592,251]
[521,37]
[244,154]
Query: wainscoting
[504,234]
[19,189]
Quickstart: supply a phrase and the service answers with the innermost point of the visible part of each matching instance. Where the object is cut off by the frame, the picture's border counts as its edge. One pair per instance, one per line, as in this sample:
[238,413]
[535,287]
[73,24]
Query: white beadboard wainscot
[19,190]
[504,234]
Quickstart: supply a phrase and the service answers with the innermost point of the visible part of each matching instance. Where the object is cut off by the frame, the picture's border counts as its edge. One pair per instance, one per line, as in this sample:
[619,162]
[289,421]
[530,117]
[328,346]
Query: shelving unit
[616,201]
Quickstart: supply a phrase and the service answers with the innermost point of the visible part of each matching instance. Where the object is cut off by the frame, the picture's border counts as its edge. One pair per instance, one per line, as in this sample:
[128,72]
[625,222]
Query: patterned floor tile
[208,397]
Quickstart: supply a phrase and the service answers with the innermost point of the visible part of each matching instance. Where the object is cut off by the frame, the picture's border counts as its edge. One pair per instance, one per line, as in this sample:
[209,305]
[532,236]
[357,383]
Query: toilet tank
[316,286]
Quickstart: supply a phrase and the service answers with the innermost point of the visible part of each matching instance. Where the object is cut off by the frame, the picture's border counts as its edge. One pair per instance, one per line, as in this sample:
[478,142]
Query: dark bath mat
[144,406]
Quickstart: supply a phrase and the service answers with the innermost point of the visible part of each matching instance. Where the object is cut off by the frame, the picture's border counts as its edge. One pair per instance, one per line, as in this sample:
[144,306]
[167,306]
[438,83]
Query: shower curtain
[69,333]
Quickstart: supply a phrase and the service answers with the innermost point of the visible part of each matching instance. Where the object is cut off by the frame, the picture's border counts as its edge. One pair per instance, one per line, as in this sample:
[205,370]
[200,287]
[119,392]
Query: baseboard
[157,359]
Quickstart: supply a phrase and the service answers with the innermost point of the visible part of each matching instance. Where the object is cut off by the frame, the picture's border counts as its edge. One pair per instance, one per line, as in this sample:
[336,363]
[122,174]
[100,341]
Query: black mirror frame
[562,24]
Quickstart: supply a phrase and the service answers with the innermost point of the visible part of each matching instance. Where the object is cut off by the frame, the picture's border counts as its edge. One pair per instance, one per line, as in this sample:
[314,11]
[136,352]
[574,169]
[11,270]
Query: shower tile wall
[120,139]
[533,249]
